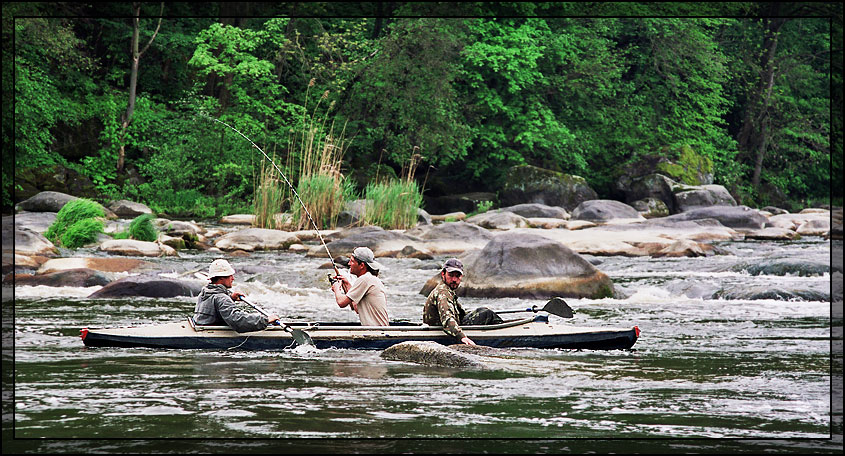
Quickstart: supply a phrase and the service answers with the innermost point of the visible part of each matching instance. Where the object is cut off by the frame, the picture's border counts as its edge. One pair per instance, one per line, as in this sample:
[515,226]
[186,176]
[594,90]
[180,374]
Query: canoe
[534,332]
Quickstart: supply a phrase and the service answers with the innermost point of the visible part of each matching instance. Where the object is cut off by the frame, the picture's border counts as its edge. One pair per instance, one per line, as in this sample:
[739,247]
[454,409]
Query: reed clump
[395,203]
[313,162]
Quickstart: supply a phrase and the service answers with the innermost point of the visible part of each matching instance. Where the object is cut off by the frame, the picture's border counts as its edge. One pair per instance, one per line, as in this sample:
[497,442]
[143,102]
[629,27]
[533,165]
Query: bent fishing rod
[289,185]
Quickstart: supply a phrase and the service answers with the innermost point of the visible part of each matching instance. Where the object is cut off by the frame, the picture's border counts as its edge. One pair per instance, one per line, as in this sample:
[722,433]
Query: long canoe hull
[529,333]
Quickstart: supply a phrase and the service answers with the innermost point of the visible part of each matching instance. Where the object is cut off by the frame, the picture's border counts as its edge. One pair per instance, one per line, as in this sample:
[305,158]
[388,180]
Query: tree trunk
[126,119]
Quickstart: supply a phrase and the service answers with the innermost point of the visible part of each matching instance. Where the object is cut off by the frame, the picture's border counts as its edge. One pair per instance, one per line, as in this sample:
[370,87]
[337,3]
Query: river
[706,375]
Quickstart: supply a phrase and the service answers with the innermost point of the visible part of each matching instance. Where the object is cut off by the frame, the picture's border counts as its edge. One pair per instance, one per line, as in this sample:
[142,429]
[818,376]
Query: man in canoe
[366,295]
[442,307]
[215,306]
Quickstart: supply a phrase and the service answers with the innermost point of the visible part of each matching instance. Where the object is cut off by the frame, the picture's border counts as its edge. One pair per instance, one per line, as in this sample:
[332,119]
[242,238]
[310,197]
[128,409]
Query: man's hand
[236,296]
[272,317]
[467,341]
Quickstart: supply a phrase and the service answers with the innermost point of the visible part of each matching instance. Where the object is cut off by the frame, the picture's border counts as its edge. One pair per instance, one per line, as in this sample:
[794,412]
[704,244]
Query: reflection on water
[704,368]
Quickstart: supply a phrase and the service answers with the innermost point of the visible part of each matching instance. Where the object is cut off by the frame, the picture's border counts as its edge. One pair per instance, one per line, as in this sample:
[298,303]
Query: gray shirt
[215,307]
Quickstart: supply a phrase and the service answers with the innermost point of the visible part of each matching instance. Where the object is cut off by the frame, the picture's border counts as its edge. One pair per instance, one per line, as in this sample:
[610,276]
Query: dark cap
[453,264]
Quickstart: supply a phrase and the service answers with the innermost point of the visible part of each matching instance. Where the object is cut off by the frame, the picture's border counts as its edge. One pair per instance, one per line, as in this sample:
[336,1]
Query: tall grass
[394,204]
[72,213]
[314,158]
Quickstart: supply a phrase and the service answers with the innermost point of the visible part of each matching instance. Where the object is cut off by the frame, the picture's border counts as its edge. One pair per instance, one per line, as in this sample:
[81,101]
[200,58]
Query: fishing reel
[332,280]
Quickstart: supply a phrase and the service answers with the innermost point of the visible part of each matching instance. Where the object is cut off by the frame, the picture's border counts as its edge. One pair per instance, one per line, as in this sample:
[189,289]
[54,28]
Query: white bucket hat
[220,268]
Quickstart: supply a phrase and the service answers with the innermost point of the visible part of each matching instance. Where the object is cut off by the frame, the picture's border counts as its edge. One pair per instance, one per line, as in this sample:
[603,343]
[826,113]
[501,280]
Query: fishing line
[289,185]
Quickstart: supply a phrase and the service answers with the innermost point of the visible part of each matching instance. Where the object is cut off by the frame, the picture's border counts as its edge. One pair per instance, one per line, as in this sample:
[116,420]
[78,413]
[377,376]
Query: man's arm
[237,319]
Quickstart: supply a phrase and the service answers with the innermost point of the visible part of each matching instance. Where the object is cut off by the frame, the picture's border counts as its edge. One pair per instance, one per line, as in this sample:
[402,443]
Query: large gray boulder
[536,210]
[36,221]
[81,277]
[45,202]
[688,198]
[451,238]
[498,220]
[149,286]
[656,186]
[382,242]
[128,209]
[737,217]
[529,184]
[251,239]
[24,241]
[132,247]
[605,210]
[108,264]
[526,265]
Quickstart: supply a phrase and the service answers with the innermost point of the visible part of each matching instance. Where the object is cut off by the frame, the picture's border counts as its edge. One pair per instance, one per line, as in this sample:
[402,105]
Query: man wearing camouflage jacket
[442,307]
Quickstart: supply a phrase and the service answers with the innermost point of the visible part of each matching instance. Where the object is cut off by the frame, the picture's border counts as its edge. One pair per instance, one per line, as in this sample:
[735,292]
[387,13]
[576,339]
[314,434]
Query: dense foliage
[77,223]
[473,89]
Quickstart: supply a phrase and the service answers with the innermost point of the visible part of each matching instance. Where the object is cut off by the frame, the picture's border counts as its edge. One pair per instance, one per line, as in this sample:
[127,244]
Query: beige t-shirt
[368,293]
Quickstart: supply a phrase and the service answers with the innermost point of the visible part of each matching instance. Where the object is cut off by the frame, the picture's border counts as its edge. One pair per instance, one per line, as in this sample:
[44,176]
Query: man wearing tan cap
[366,296]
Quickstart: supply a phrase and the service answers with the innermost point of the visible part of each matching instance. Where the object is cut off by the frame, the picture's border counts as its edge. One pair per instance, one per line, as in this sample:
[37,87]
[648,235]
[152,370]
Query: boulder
[430,354]
[650,186]
[498,220]
[45,202]
[529,184]
[450,238]
[128,209]
[450,217]
[35,221]
[814,227]
[178,227]
[775,210]
[604,210]
[528,266]
[132,247]
[238,219]
[737,217]
[651,207]
[95,263]
[149,286]
[684,248]
[773,234]
[753,293]
[423,217]
[24,241]
[250,239]
[535,210]
[81,277]
[688,198]
[352,213]
[782,267]
[546,223]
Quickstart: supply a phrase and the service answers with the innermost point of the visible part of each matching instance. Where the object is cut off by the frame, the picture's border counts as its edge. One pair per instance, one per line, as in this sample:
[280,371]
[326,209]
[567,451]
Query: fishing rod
[331,258]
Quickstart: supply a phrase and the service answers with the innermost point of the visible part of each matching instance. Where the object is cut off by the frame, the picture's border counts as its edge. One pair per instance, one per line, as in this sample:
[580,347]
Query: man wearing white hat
[215,306]
[366,295]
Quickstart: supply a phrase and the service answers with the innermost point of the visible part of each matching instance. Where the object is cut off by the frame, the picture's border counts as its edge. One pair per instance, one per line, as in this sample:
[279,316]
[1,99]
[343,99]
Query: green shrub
[82,232]
[142,229]
[70,213]
[325,196]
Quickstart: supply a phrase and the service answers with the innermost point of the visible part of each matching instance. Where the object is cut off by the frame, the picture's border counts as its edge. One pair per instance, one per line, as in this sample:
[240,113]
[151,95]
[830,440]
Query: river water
[706,375]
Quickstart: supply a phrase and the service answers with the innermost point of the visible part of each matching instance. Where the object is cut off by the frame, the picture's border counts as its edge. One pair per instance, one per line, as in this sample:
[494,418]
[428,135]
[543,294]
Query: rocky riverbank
[527,250]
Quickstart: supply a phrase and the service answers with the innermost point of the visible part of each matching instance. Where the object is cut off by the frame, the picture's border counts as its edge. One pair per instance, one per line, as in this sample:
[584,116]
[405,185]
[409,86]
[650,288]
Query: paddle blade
[299,336]
[559,307]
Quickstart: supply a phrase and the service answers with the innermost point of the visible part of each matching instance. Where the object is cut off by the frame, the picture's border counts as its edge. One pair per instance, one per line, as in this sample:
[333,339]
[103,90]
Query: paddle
[300,336]
[555,306]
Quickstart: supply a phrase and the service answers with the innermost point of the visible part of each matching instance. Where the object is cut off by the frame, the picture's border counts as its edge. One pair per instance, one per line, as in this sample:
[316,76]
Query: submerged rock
[81,277]
[742,292]
[430,354]
[781,267]
[149,286]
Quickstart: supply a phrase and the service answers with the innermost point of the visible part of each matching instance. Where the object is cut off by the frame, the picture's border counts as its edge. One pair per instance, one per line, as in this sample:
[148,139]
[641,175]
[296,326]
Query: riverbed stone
[604,210]
[776,293]
[736,217]
[35,221]
[533,210]
[546,223]
[97,264]
[783,266]
[149,286]
[651,207]
[692,197]
[773,234]
[498,220]
[25,241]
[238,219]
[383,243]
[128,209]
[133,247]
[449,217]
[815,227]
[81,277]
[251,239]
[45,202]
[684,248]
[430,354]
[451,238]
[527,265]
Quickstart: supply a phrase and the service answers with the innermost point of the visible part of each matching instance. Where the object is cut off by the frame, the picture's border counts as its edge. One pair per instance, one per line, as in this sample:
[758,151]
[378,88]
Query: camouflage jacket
[215,307]
[442,309]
